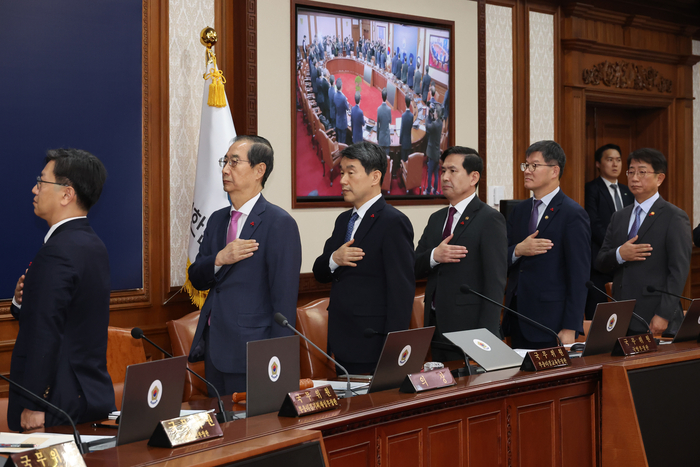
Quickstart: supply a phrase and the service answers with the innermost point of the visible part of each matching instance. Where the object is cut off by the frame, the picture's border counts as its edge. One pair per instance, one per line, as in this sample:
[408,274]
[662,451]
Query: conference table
[397,95]
[557,417]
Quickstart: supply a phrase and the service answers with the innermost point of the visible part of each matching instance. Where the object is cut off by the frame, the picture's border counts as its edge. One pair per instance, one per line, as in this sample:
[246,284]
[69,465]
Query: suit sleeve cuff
[16,304]
[433,263]
[617,255]
[331,264]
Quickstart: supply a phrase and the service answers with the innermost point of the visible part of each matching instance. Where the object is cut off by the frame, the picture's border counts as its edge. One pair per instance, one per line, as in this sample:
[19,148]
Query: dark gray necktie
[637,223]
[534,216]
[618,201]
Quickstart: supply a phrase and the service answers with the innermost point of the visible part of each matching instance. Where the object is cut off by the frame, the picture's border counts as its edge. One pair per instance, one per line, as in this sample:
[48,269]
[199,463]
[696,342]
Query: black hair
[370,155]
[260,151]
[551,151]
[650,156]
[80,170]
[599,152]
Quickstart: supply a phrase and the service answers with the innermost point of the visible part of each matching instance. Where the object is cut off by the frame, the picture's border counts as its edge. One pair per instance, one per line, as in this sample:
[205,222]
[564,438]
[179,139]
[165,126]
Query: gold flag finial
[217,95]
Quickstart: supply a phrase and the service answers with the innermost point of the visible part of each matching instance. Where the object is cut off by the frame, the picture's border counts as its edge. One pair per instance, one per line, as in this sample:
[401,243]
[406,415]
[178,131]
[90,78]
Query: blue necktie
[637,223]
[351,224]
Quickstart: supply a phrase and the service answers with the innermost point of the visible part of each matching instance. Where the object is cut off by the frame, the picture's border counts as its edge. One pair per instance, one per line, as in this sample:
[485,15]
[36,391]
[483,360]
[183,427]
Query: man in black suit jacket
[696,236]
[425,87]
[549,255]
[405,137]
[648,243]
[62,302]
[369,260]
[604,196]
[249,260]
[465,243]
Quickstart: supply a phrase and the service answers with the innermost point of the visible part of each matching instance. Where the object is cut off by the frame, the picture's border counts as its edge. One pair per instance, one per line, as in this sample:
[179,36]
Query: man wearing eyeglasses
[62,302]
[648,244]
[549,255]
[249,260]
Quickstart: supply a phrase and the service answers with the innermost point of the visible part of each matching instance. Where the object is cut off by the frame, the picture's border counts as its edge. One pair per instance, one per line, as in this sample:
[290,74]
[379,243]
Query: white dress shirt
[360,214]
[460,207]
[646,207]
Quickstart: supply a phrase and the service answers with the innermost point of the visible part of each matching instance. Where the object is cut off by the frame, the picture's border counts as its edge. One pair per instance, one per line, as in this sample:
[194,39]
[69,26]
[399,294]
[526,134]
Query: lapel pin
[252,224]
[372,215]
[551,209]
[466,218]
[546,217]
[461,223]
[651,213]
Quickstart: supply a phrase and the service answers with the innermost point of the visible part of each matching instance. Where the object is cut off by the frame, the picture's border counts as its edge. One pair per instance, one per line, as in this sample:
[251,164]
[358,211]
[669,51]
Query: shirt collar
[58,224]
[248,206]
[546,199]
[607,182]
[646,205]
[462,205]
[365,207]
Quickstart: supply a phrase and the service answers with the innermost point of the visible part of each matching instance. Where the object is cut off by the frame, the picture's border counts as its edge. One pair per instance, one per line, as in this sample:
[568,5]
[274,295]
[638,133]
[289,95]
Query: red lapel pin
[461,223]
[551,209]
[252,224]
[372,215]
[651,213]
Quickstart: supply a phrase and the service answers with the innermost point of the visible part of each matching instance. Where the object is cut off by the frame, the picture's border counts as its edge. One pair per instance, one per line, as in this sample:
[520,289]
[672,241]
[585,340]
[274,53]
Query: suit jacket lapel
[369,219]
[550,212]
[251,224]
[606,194]
[655,211]
[467,217]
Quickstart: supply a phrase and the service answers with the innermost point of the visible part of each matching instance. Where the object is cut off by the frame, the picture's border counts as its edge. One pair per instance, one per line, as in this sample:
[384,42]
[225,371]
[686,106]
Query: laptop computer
[273,371]
[482,346]
[690,327]
[610,322]
[152,392]
[403,353]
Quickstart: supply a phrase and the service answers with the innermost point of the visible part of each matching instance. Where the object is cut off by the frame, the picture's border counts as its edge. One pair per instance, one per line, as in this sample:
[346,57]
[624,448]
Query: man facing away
[62,302]
[249,260]
[369,261]
[549,255]
[604,196]
[648,244]
[464,243]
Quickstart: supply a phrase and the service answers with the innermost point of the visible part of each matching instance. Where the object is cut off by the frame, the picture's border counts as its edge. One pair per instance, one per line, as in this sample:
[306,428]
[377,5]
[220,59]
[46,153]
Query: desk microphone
[652,289]
[466,289]
[369,332]
[284,322]
[137,333]
[76,435]
[591,285]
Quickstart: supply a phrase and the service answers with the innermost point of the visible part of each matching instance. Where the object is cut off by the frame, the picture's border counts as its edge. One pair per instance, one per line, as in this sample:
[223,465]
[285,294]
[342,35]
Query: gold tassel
[198,297]
[217,92]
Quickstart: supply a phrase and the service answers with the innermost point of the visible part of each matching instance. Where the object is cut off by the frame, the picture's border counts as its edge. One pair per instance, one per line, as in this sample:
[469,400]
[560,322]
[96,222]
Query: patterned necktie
[534,216]
[618,201]
[448,225]
[351,224]
[233,227]
[637,222]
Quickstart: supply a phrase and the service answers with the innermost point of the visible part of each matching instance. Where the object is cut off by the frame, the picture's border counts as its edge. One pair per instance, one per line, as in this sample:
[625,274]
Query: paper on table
[40,440]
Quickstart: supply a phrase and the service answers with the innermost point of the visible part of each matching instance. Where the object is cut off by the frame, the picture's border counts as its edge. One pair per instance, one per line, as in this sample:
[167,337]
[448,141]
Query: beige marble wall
[187,19]
[696,136]
[499,98]
[541,76]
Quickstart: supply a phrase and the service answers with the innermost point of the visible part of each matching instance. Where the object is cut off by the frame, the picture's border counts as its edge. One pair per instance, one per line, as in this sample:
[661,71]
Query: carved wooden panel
[444,444]
[625,75]
[577,431]
[404,449]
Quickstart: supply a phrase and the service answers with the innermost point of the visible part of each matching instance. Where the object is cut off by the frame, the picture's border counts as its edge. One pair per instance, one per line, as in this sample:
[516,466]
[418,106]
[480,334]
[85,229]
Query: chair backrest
[608,289]
[181,332]
[414,175]
[386,184]
[418,315]
[122,351]
[312,321]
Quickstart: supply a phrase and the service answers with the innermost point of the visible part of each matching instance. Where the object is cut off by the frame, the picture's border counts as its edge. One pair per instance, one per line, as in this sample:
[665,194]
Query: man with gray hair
[369,261]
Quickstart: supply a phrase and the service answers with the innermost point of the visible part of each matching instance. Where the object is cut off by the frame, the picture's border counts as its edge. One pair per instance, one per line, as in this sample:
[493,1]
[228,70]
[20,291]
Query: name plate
[308,401]
[633,345]
[185,430]
[419,382]
[58,455]
[546,359]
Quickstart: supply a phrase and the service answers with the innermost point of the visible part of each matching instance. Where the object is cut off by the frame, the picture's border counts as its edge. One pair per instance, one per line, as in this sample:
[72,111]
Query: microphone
[591,285]
[43,401]
[652,289]
[137,333]
[466,289]
[369,332]
[284,322]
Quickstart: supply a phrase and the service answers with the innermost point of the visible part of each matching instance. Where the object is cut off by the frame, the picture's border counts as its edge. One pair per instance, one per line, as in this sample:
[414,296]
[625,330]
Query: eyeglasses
[233,162]
[525,166]
[39,181]
[641,173]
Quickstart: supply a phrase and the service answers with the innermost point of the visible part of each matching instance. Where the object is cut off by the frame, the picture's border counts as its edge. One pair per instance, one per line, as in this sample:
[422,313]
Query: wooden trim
[630,53]
[521,95]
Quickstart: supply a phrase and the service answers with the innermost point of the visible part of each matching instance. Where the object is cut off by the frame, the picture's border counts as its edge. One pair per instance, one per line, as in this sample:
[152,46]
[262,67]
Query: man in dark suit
[433,129]
[417,79]
[425,88]
[62,302]
[604,196]
[404,70]
[696,236]
[357,118]
[406,127]
[465,243]
[369,260]
[648,243]
[322,96]
[549,255]
[411,72]
[383,122]
[249,260]
[341,112]
[331,101]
